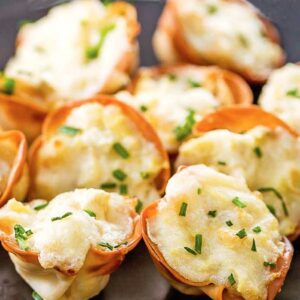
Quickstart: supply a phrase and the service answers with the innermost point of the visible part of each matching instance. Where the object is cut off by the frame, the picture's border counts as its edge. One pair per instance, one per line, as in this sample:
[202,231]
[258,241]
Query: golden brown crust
[56,119]
[19,162]
[214,291]
[99,262]
[169,25]
[240,92]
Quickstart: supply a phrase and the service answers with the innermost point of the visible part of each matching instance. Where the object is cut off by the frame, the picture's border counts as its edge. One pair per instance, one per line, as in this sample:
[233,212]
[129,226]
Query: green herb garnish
[183,209]
[138,206]
[108,185]
[198,243]
[229,223]
[41,206]
[121,244]
[212,9]
[143,108]
[231,279]
[90,213]
[67,214]
[199,191]
[243,40]
[8,86]
[182,131]
[21,236]
[242,233]
[193,84]
[172,77]
[293,93]
[212,213]
[36,296]
[92,52]
[236,201]
[119,174]
[123,189]
[278,195]
[269,264]
[253,248]
[221,163]
[69,130]
[121,150]
[190,250]
[272,210]
[256,229]
[145,175]
[257,152]
[106,245]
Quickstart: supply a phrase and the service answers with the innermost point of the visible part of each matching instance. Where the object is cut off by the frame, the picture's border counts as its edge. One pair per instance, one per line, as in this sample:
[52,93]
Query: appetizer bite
[257,146]
[98,143]
[174,98]
[67,248]
[79,49]
[230,33]
[210,234]
[22,107]
[281,95]
[14,177]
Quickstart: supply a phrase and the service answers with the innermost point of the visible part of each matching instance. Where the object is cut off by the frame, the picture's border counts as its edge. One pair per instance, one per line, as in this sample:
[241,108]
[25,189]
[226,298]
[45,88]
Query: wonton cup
[56,119]
[58,284]
[171,44]
[216,292]
[238,120]
[13,153]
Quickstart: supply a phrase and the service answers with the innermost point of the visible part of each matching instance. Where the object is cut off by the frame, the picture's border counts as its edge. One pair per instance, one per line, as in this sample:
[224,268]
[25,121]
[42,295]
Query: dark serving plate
[137,278]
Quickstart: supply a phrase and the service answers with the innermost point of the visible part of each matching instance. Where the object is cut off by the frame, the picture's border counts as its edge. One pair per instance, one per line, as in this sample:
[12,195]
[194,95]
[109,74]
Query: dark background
[137,278]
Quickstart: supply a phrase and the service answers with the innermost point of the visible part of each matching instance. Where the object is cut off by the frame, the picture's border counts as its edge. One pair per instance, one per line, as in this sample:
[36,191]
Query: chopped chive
[119,174]
[36,296]
[198,243]
[106,245]
[107,2]
[190,250]
[21,236]
[231,279]
[119,148]
[183,209]
[123,189]
[278,195]
[293,93]
[8,86]
[108,185]
[172,77]
[145,175]
[243,40]
[193,84]
[138,206]
[212,9]
[199,191]
[143,108]
[92,52]
[236,201]
[121,244]
[242,233]
[269,264]
[256,229]
[258,152]
[272,210]
[69,130]
[184,130]
[90,213]
[67,214]
[229,223]
[253,248]
[212,213]
[222,163]
[41,206]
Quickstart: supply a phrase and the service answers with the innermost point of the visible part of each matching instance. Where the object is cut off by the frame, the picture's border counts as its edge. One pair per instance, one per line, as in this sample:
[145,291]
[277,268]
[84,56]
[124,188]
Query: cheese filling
[63,231]
[268,160]
[219,28]
[92,156]
[226,255]
[281,95]
[71,51]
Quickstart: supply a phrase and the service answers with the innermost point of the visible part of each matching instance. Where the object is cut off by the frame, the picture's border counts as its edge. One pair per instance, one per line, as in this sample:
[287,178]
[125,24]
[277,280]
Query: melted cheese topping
[223,252]
[264,157]
[281,95]
[88,159]
[52,51]
[219,28]
[167,100]
[65,243]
